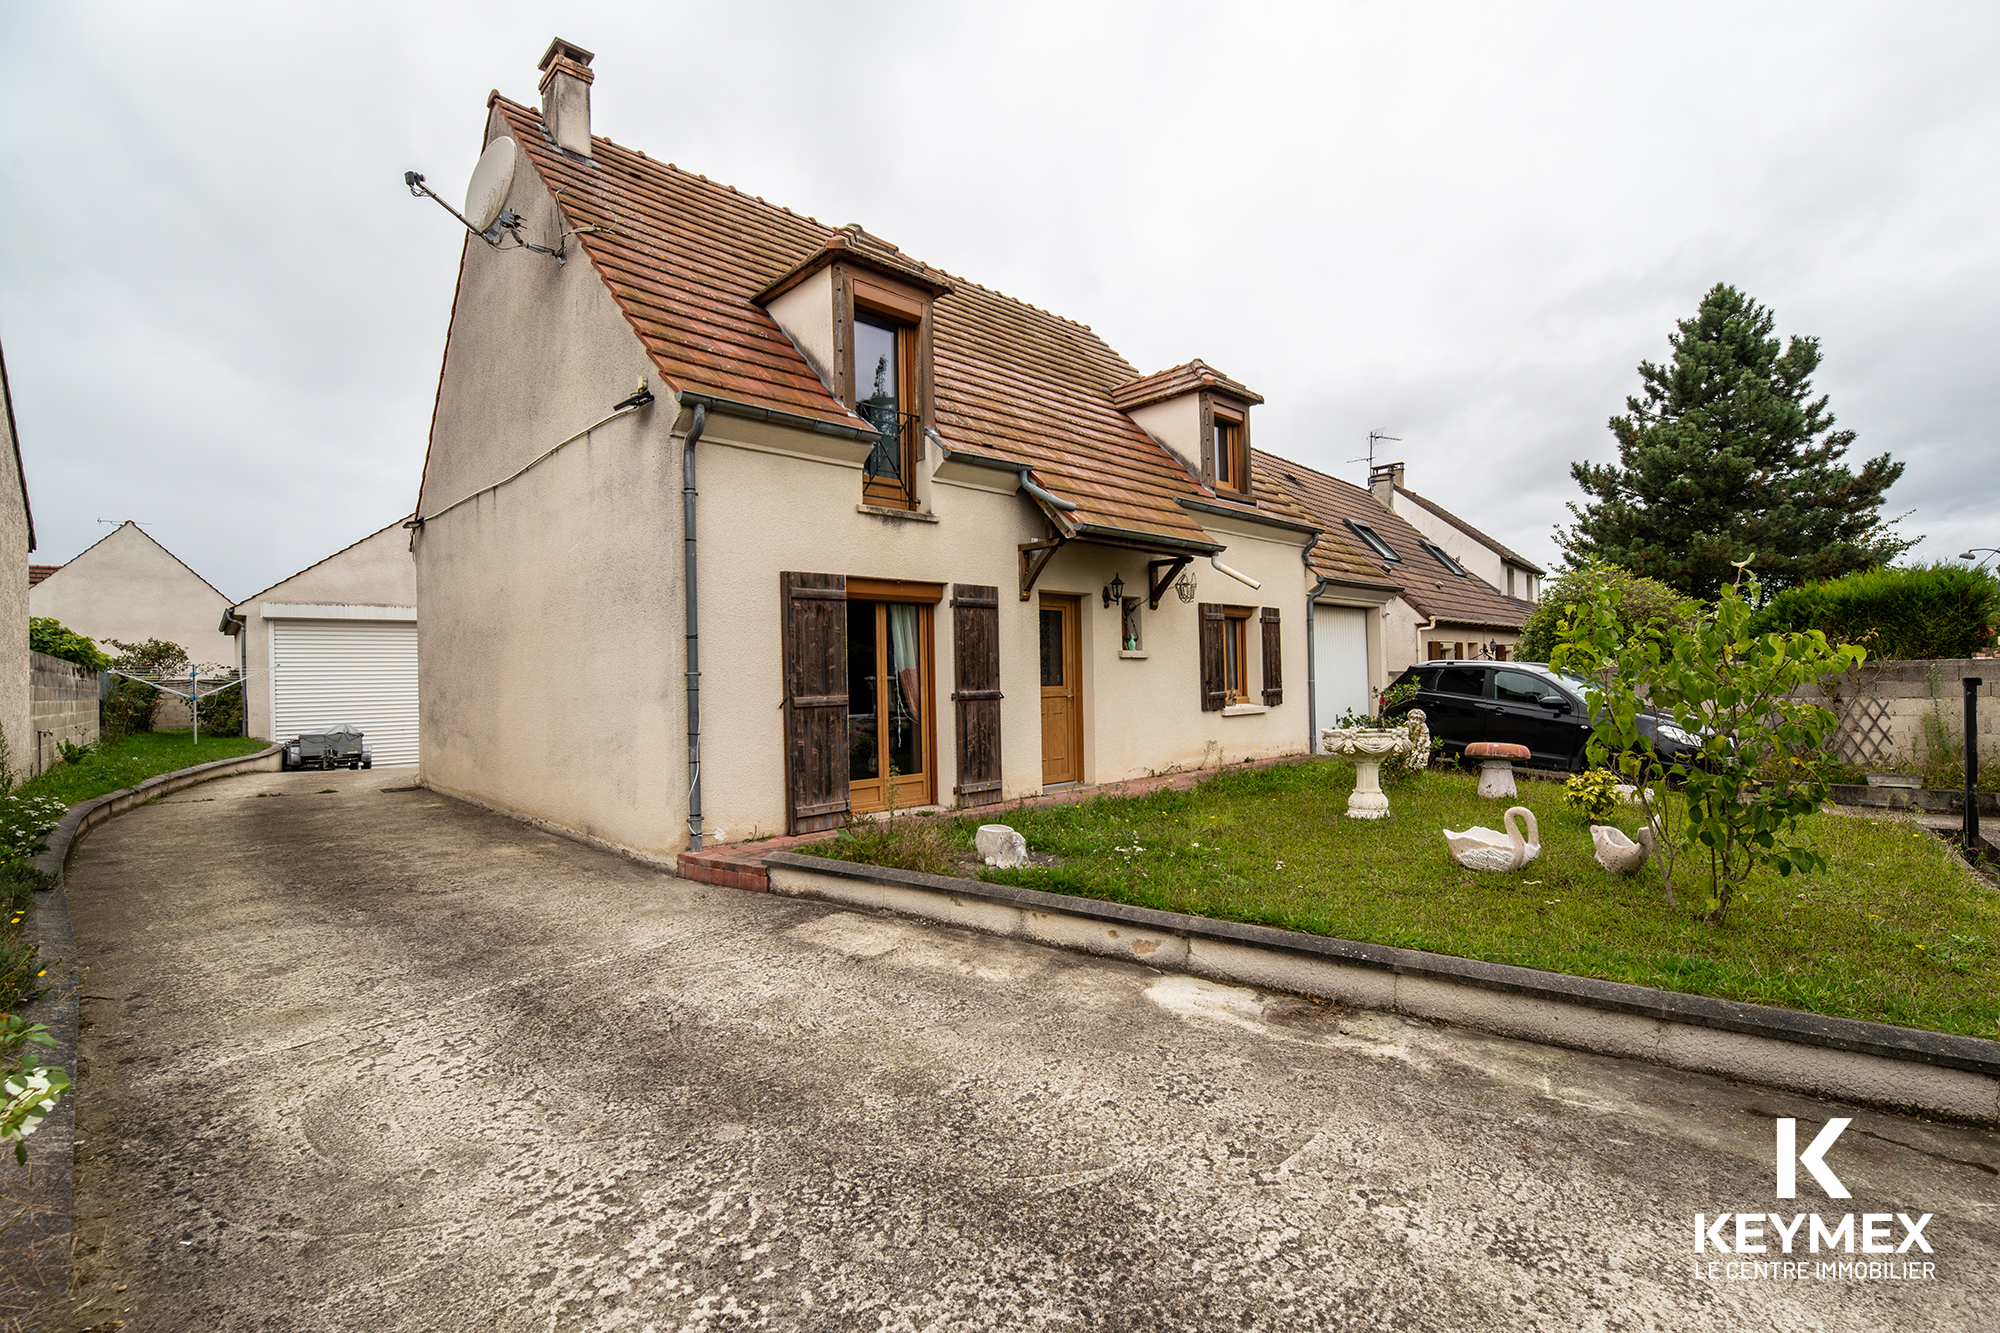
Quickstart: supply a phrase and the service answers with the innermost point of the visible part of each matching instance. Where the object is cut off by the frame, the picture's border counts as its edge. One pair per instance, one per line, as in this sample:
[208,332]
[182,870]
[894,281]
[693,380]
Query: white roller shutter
[325,672]
[1340,664]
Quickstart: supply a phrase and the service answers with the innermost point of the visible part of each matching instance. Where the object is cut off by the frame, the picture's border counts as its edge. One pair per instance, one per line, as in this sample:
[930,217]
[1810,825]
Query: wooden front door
[1062,690]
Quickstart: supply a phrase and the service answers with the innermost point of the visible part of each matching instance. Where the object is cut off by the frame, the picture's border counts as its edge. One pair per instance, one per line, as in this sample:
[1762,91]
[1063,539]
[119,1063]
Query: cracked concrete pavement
[375,1059]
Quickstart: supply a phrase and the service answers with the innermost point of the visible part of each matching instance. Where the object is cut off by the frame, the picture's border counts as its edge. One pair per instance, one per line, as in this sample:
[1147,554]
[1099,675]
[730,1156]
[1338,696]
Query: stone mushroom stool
[1496,766]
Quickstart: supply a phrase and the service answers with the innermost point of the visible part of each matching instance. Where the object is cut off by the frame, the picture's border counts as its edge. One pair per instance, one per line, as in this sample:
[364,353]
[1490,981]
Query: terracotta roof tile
[1175,381]
[36,573]
[687,259]
[1425,584]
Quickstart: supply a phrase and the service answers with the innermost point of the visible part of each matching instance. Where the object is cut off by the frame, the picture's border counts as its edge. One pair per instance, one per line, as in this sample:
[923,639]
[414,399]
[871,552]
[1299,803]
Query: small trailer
[336,747]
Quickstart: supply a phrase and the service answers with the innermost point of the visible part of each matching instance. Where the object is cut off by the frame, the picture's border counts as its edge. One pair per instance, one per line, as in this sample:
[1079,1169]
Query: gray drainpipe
[1312,671]
[688,493]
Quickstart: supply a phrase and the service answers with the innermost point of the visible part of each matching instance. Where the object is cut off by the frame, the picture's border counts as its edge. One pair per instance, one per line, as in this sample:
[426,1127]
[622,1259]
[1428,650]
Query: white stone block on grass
[1001,846]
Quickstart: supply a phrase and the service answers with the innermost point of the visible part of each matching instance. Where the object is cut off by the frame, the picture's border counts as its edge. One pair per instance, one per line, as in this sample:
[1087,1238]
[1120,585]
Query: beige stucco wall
[129,587]
[805,313]
[1176,423]
[15,722]
[378,570]
[549,659]
[1141,715]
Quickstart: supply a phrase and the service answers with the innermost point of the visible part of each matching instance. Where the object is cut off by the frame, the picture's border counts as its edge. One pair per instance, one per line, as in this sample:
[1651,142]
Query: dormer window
[860,315]
[1202,417]
[884,359]
[1226,441]
[1373,541]
[1438,554]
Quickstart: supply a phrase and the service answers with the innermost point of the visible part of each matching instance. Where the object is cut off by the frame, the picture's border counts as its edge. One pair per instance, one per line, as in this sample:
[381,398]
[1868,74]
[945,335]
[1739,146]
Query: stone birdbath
[1368,747]
[1496,767]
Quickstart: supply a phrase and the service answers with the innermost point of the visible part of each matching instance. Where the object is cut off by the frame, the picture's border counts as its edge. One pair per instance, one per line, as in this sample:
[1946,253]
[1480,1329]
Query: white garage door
[1340,664]
[361,672]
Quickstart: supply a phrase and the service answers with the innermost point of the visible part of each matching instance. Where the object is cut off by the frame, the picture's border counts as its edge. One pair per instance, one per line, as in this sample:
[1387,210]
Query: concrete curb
[1874,1064]
[52,1148]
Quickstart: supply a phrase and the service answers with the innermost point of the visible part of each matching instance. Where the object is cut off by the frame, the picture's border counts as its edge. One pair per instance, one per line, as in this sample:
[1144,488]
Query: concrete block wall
[62,706]
[1882,705]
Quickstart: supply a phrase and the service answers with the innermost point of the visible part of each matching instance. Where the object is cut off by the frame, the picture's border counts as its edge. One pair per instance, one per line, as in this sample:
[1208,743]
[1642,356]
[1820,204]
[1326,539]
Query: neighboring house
[17,534]
[906,501]
[1439,607]
[36,573]
[130,588]
[336,642]
[1510,572]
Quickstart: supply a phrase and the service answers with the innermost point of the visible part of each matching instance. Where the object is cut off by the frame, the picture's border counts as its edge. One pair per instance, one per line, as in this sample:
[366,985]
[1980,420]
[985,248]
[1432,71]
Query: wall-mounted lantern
[1115,594]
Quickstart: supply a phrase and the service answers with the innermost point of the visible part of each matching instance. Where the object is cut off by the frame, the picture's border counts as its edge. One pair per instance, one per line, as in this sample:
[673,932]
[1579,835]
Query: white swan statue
[1483,849]
[1618,853]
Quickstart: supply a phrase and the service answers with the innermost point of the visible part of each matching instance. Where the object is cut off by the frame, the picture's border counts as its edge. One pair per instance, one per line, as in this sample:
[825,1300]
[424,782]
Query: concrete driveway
[373,1059]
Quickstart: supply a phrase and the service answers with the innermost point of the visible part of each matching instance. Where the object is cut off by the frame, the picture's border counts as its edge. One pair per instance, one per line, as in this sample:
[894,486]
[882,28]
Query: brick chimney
[566,96]
[1383,481]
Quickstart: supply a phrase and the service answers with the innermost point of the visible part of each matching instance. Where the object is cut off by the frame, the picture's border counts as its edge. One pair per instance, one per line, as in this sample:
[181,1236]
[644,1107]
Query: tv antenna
[1373,436]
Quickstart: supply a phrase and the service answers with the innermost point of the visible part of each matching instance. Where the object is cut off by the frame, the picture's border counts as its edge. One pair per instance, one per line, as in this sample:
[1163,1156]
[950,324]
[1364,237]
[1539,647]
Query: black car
[1521,703]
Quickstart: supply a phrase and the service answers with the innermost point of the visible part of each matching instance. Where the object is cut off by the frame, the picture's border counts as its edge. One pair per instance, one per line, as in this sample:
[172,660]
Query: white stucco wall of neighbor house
[377,571]
[550,655]
[15,721]
[1479,559]
[130,588]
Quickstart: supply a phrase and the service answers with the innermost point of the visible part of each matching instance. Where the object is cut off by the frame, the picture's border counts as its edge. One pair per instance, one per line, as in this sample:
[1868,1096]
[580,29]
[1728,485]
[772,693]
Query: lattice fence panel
[1865,738]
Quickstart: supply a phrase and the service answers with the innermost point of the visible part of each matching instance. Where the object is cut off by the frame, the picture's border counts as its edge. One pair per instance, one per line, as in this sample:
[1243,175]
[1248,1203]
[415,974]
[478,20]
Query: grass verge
[130,761]
[1896,930]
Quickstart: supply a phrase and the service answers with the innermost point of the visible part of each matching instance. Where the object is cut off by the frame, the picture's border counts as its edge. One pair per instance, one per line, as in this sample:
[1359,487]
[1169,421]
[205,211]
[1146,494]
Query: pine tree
[1725,457]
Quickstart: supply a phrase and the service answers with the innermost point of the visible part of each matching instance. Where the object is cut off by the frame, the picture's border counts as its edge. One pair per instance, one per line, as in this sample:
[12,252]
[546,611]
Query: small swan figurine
[1483,849]
[1618,853]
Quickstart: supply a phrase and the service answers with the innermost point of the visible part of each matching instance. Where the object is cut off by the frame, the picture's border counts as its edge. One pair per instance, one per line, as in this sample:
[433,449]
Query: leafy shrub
[221,713]
[1594,795]
[48,635]
[1912,614]
[131,705]
[1718,681]
[1638,602]
[74,752]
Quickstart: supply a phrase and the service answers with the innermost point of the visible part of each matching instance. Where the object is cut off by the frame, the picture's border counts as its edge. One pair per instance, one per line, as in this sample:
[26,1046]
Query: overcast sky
[1463,225]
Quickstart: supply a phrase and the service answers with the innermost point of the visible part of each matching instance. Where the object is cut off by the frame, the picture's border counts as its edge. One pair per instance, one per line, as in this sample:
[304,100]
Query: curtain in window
[903,657]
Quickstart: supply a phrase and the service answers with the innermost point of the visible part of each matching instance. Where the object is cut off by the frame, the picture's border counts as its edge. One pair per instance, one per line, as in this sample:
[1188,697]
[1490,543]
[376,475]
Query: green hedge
[1922,612]
[48,635]
[1640,601]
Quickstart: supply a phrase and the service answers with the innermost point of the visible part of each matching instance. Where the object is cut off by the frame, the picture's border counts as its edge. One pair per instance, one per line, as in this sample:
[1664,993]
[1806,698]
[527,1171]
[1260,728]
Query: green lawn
[133,760]
[1896,930]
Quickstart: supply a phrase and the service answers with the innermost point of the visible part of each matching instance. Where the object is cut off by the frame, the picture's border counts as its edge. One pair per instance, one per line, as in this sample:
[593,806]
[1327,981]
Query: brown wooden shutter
[1274,667]
[975,632]
[816,703]
[1214,690]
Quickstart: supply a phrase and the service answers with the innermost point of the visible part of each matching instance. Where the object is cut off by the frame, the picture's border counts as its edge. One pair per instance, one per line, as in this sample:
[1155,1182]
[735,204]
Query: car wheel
[368,763]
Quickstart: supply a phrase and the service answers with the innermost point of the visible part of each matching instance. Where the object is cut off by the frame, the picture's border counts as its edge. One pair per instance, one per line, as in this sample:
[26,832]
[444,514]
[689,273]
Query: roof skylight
[1438,554]
[1374,542]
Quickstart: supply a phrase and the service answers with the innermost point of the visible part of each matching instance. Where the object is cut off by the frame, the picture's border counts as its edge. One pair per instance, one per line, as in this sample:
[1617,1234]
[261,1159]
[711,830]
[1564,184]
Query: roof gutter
[729,407]
[1247,515]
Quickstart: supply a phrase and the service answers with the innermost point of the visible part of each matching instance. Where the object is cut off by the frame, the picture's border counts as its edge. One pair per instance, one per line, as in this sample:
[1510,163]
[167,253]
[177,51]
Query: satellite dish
[491,179]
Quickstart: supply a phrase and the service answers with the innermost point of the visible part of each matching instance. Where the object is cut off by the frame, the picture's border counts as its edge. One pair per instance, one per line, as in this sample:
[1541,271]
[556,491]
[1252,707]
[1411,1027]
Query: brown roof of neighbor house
[1470,531]
[688,258]
[1175,381]
[36,573]
[1425,584]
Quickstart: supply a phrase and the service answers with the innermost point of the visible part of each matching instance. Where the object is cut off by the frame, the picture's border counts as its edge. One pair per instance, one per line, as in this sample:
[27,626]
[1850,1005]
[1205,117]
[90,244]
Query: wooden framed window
[881,355]
[1236,654]
[1225,444]
[891,705]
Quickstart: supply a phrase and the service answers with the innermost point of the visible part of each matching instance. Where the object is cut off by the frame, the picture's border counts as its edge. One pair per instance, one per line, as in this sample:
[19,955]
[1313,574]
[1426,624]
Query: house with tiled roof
[733,523]
[129,588]
[1500,565]
[1440,607]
